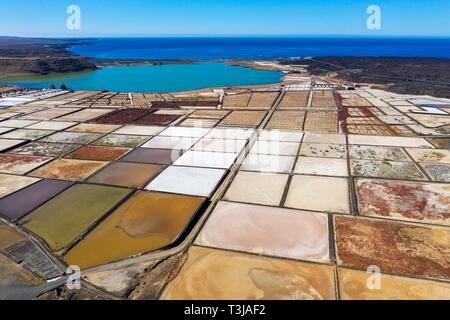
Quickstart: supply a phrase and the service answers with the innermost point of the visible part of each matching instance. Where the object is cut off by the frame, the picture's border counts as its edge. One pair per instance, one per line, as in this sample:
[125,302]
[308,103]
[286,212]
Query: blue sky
[47,18]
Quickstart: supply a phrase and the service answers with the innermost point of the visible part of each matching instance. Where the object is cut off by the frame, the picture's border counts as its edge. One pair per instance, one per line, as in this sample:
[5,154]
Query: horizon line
[225,35]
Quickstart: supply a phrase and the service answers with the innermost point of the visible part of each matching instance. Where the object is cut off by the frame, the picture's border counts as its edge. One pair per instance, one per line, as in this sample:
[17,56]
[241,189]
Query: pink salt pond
[266,230]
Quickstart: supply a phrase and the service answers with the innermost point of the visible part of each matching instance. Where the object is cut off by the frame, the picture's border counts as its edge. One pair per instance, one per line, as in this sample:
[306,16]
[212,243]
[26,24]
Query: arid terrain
[23,57]
[428,76]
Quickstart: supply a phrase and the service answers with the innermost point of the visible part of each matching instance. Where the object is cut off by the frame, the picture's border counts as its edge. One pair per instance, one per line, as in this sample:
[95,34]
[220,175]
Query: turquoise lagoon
[154,78]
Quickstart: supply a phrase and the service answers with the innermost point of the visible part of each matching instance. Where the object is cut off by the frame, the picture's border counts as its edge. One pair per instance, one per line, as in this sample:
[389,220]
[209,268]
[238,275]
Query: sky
[47,18]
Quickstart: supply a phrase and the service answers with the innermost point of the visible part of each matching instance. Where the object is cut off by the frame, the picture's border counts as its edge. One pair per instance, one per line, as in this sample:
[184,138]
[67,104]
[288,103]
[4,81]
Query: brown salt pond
[209,114]
[236,101]
[148,221]
[294,100]
[18,204]
[323,99]
[262,100]
[396,247]
[157,156]
[156,119]
[247,119]
[133,175]
[67,169]
[354,100]
[9,236]
[321,122]
[197,122]
[286,120]
[63,219]
[98,153]
[122,116]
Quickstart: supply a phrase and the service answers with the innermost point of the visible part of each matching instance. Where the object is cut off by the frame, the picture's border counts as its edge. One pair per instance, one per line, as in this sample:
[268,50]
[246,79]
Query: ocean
[185,48]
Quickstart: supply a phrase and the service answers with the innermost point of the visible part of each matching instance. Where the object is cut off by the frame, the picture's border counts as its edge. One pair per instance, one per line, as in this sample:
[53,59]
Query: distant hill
[33,56]
[424,76]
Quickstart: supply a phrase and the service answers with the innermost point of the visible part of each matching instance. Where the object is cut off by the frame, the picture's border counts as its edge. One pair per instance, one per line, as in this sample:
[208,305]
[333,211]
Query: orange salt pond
[148,221]
[223,275]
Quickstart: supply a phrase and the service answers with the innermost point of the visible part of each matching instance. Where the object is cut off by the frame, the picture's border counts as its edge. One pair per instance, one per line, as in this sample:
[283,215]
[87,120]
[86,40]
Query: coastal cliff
[24,57]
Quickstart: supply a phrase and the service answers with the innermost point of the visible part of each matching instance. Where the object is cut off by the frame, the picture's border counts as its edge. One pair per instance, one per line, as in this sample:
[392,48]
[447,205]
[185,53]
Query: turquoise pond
[161,78]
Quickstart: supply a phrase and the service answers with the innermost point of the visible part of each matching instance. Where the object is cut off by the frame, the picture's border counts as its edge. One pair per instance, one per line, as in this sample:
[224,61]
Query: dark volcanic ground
[428,76]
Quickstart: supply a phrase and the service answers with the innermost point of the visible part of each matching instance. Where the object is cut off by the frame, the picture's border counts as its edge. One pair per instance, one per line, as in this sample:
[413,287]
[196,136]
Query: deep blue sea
[161,48]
